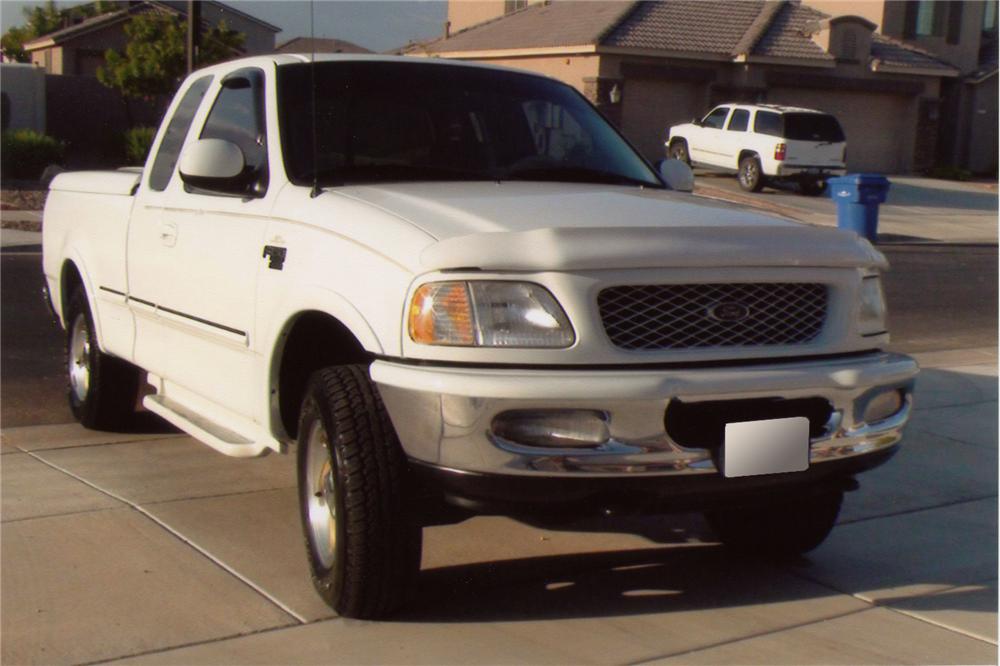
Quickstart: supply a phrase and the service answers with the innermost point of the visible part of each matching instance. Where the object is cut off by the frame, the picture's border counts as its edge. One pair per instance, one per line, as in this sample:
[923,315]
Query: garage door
[650,107]
[879,127]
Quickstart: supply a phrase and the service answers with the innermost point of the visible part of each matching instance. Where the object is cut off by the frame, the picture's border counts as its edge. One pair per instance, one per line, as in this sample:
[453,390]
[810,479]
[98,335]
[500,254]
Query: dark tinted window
[812,127]
[717,118]
[385,122]
[739,121]
[238,116]
[177,129]
[767,123]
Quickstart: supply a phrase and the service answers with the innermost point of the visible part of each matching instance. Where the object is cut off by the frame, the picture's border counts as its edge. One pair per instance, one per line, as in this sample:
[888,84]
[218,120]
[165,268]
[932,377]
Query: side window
[238,116]
[177,129]
[768,123]
[739,121]
[717,118]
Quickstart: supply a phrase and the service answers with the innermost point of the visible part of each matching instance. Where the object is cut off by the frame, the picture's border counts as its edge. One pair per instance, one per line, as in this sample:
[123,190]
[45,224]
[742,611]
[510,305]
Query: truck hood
[566,226]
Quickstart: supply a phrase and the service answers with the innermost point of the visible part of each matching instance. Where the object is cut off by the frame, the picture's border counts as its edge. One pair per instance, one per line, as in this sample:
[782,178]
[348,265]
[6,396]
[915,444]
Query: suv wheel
[679,151]
[362,544]
[102,388]
[779,529]
[750,177]
[813,188]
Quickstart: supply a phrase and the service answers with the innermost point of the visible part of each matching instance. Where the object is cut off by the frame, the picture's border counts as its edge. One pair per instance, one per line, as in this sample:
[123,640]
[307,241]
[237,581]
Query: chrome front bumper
[444,416]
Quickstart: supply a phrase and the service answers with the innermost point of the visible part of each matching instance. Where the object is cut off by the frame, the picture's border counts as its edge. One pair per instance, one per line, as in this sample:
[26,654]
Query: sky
[378,25]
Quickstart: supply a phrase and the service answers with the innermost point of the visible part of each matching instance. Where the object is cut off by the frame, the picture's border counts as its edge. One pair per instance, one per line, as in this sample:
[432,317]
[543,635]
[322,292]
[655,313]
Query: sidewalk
[155,549]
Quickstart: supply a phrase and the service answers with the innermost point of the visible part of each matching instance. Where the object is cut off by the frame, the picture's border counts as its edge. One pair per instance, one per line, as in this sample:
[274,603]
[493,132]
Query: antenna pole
[312,96]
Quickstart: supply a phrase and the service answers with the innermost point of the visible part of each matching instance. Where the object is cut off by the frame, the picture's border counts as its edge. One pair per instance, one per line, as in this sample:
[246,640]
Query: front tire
[781,529]
[679,151]
[102,388]
[362,543]
[750,176]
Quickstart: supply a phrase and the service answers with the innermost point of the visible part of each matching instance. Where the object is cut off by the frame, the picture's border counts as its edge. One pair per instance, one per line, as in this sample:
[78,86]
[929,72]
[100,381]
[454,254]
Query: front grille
[685,316]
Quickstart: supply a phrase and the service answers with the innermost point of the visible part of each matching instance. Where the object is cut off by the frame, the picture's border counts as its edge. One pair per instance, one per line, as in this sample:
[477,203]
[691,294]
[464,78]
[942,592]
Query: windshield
[401,121]
[813,127]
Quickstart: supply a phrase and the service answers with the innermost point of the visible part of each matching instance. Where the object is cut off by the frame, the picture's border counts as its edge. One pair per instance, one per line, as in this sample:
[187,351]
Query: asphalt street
[940,297]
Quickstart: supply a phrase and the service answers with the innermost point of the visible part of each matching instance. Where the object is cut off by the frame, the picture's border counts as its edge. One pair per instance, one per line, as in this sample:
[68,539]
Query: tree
[155,58]
[46,18]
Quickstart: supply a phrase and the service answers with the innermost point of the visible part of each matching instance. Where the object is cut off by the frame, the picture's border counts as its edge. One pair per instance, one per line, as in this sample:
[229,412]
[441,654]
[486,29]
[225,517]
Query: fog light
[883,405]
[553,428]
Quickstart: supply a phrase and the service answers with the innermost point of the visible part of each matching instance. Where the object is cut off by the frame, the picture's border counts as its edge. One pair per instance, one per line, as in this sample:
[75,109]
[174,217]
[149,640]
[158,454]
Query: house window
[514,5]
[925,18]
[990,16]
[954,22]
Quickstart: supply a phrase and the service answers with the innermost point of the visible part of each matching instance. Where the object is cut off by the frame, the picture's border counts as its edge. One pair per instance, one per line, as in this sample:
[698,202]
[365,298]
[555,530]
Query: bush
[950,173]
[137,143]
[25,153]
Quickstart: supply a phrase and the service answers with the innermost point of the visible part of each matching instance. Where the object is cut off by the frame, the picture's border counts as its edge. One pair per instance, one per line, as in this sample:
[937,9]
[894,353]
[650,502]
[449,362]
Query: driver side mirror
[214,164]
[697,121]
[676,174]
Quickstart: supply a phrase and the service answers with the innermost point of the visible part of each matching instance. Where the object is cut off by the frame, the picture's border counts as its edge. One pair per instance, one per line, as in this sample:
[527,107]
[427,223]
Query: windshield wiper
[572,174]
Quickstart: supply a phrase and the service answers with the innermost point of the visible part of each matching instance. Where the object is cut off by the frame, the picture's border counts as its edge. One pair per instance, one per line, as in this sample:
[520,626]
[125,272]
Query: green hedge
[137,143]
[25,153]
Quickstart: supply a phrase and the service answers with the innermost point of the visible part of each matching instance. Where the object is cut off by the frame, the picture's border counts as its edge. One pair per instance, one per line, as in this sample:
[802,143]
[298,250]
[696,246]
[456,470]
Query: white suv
[764,142]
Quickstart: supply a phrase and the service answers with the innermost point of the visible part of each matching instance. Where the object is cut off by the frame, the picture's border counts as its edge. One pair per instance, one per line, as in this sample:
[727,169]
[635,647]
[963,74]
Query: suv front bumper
[445,415]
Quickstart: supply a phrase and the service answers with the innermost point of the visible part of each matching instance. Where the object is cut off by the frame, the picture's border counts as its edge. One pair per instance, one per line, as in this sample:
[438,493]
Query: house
[649,65]
[319,45]
[963,33]
[79,48]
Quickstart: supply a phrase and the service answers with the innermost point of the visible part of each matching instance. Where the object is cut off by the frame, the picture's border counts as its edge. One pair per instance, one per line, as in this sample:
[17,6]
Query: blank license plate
[766,447]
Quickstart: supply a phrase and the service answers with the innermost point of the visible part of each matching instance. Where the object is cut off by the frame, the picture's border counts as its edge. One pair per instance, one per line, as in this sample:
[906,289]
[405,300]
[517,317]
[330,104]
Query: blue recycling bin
[858,196]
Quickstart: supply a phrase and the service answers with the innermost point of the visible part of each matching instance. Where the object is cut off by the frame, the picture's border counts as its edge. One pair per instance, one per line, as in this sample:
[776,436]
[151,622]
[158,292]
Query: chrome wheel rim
[79,358]
[749,173]
[321,504]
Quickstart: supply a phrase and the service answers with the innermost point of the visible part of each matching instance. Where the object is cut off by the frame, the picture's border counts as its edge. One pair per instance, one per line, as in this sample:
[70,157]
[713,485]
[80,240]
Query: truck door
[194,258]
[707,148]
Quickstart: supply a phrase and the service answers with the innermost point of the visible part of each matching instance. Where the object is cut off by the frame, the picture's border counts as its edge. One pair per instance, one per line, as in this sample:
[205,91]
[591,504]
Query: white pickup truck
[456,289]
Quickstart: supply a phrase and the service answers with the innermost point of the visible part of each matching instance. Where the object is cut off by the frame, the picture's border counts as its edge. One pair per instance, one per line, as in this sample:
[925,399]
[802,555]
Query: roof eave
[662,53]
[512,53]
[884,68]
[819,63]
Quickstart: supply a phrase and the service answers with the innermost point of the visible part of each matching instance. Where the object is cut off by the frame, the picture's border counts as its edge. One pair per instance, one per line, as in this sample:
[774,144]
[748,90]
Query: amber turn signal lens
[441,314]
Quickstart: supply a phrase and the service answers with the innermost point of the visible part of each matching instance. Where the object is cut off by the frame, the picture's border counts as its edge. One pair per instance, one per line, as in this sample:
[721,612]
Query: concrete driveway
[917,208]
[155,549]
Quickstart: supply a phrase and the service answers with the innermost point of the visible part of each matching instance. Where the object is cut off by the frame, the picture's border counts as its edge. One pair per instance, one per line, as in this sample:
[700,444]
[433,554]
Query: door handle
[168,234]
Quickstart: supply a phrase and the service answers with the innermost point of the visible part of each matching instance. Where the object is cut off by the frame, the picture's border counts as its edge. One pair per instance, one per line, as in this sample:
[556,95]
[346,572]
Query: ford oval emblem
[728,312]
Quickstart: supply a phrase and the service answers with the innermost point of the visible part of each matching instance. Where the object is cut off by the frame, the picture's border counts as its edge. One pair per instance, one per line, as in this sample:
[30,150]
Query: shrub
[137,143]
[950,173]
[25,153]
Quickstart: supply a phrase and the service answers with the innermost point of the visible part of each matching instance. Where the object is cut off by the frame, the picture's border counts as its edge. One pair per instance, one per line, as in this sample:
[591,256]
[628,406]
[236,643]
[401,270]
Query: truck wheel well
[746,153]
[68,282]
[314,340]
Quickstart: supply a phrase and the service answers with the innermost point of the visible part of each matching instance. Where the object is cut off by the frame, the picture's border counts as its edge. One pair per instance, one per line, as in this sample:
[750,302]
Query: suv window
[768,123]
[238,116]
[717,118]
[173,140]
[813,127]
[739,121]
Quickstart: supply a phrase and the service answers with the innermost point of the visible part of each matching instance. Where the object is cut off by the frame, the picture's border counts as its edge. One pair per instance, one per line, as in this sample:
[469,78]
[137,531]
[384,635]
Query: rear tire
[777,530]
[813,188]
[102,388]
[362,543]
[750,176]
[679,151]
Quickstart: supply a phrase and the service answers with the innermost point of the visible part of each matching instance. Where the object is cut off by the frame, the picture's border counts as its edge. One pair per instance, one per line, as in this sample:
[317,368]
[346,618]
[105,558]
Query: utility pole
[194,33]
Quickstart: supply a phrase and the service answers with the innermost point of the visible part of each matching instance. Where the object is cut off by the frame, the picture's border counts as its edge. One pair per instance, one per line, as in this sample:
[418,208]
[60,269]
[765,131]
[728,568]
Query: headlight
[488,314]
[871,312]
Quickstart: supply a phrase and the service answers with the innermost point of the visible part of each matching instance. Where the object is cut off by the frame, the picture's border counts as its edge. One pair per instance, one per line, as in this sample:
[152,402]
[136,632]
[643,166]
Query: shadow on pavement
[901,194]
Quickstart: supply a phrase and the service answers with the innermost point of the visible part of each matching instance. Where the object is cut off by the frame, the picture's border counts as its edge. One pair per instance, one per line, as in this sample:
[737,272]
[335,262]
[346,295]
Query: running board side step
[221,439]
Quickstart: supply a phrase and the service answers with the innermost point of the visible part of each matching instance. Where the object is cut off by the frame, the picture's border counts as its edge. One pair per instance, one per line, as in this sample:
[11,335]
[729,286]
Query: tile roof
[319,45]
[766,28]
[686,25]
[538,26]
[785,37]
[897,54]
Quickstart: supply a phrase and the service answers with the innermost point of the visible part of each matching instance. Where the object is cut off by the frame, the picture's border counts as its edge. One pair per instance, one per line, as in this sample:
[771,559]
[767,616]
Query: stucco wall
[868,9]
[569,69]
[463,13]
